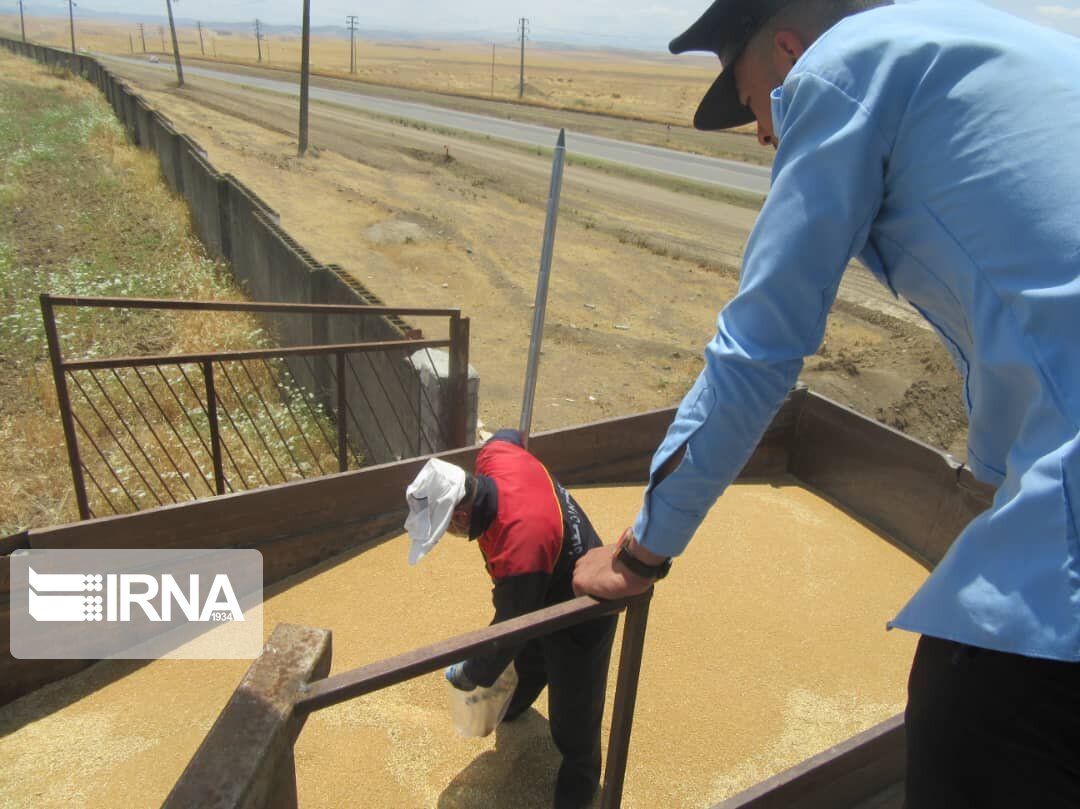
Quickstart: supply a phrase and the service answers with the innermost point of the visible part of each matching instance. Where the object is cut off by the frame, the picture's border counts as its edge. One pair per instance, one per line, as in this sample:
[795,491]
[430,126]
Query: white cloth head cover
[431,498]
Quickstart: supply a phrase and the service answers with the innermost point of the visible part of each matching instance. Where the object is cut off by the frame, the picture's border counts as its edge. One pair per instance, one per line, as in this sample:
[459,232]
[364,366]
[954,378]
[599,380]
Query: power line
[71,16]
[351,22]
[523,28]
[175,45]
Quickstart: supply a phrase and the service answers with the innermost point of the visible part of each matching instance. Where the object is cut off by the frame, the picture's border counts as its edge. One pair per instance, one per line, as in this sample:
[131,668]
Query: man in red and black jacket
[531,532]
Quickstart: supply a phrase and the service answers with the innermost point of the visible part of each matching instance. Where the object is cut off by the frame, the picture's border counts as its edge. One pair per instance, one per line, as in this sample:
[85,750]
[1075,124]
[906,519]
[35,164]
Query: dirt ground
[426,218]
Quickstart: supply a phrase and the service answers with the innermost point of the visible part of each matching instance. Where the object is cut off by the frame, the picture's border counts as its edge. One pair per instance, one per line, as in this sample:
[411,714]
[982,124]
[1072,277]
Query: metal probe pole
[542,288]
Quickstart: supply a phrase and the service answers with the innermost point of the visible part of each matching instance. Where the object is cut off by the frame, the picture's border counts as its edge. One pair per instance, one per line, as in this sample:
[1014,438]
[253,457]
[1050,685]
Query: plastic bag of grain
[476,713]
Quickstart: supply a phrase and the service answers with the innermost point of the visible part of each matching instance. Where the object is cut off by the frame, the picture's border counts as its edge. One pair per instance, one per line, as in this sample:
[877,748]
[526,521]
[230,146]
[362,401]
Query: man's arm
[513,596]
[828,186]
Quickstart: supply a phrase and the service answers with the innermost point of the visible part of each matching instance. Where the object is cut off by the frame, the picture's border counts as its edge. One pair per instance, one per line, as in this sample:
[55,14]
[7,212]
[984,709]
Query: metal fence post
[457,387]
[342,414]
[64,400]
[215,434]
[622,714]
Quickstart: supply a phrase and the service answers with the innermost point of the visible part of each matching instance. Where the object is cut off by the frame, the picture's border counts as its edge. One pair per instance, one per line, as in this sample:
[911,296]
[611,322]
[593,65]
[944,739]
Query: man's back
[978,114]
[963,124]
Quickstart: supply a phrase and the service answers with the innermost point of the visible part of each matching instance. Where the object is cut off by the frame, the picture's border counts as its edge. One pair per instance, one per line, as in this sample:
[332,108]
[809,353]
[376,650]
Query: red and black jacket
[530,532]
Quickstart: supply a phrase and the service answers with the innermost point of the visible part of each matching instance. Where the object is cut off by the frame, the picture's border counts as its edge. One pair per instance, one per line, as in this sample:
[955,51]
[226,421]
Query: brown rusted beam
[248,306]
[342,415]
[215,428]
[63,398]
[256,354]
[864,770]
[246,760]
[14,542]
[394,670]
[457,387]
[622,715]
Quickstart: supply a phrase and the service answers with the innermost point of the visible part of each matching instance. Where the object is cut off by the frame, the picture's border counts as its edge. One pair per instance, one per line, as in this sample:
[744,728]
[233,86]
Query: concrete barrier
[167,147]
[202,189]
[144,124]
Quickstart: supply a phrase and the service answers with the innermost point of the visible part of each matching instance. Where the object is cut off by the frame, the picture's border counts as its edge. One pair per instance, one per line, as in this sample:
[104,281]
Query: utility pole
[71,17]
[161,33]
[202,48]
[492,69]
[175,45]
[305,55]
[523,25]
[22,22]
[351,22]
[258,37]
[131,43]
[142,35]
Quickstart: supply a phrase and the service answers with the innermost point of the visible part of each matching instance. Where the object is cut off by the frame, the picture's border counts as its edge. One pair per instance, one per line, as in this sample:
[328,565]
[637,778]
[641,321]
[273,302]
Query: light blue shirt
[940,143]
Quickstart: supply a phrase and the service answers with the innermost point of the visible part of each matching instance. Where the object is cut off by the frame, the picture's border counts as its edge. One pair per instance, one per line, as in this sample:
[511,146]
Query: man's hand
[455,675]
[599,574]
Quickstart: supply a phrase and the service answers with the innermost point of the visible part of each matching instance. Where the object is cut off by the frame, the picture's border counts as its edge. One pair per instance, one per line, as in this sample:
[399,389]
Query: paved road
[709,170]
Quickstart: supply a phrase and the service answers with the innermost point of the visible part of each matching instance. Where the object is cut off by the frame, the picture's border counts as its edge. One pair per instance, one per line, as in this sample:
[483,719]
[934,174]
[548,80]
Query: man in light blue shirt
[939,142]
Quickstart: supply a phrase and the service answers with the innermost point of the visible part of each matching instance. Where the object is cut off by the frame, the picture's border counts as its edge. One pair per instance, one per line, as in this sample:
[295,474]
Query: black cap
[724,29]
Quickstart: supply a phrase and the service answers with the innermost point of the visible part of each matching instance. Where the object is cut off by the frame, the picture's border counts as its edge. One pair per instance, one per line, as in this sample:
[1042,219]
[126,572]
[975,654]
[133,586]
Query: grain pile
[765,645]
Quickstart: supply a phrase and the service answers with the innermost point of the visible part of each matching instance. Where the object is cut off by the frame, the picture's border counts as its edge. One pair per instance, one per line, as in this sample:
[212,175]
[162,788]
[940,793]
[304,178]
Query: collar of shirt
[485,507]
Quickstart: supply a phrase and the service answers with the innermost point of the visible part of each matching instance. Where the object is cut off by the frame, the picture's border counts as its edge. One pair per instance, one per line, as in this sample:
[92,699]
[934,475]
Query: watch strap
[636,566]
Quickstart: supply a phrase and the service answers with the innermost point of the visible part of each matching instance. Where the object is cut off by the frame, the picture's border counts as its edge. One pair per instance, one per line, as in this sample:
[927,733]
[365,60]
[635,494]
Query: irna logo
[111,597]
[135,603]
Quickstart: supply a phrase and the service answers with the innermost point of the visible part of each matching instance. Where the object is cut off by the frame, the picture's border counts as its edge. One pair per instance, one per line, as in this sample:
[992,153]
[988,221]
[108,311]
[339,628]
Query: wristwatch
[636,566]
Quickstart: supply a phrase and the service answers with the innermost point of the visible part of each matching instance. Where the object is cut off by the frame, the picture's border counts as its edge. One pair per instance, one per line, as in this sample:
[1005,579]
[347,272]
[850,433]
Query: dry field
[617,89]
[656,87]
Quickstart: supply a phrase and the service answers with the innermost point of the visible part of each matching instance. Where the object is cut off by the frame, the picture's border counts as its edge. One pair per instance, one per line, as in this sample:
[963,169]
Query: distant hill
[565,41]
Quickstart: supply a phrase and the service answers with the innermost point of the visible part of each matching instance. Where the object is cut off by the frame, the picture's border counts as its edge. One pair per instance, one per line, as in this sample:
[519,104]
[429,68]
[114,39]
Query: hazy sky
[618,23]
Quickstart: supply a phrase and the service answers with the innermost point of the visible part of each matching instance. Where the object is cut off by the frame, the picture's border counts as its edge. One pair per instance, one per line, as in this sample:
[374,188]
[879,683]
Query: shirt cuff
[664,530]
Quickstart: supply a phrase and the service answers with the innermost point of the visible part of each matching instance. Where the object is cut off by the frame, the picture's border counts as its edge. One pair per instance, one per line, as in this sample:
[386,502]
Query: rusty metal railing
[146,431]
[247,762]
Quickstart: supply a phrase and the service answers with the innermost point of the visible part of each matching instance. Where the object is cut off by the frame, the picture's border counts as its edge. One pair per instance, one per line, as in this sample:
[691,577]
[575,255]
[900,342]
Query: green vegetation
[84,213]
[76,223]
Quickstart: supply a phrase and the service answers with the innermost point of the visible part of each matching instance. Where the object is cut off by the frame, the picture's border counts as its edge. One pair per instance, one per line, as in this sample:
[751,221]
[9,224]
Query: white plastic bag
[476,713]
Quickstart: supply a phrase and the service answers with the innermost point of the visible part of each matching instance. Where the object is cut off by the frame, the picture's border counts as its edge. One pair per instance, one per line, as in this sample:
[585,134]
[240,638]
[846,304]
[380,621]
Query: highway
[707,170]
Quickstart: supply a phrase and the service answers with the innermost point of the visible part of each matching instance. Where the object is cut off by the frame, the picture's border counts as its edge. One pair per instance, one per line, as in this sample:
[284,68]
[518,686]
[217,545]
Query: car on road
[153,58]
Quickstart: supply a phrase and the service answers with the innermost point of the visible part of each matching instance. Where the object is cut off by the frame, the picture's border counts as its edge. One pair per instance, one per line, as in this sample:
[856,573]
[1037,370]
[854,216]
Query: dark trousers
[573,664]
[990,730]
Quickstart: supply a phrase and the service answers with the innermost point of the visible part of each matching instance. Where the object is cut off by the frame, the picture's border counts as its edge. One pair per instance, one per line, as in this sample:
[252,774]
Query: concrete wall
[397,407]
[202,190]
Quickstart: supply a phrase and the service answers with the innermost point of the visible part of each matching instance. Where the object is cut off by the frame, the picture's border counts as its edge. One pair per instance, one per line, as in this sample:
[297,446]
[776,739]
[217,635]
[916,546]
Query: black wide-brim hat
[724,29]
